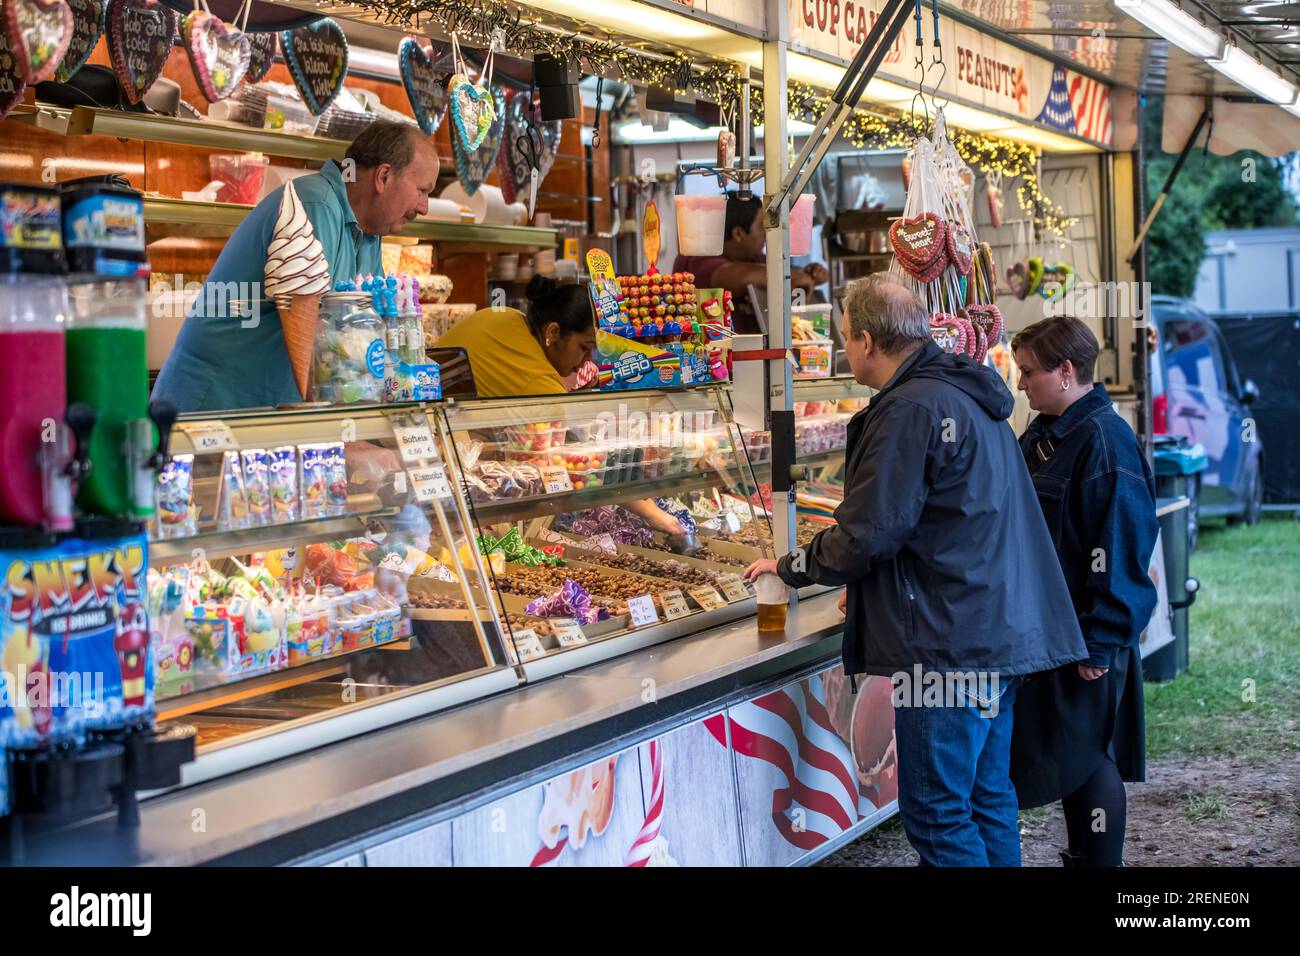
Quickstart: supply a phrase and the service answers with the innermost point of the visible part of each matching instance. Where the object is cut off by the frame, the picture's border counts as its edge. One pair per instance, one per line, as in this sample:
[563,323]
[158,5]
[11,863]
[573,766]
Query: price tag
[642,610]
[674,603]
[208,437]
[734,588]
[555,478]
[567,631]
[415,442]
[707,598]
[529,644]
[733,521]
[429,483]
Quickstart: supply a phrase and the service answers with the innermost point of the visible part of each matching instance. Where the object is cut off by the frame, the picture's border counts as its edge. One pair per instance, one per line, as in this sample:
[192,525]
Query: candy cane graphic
[642,848]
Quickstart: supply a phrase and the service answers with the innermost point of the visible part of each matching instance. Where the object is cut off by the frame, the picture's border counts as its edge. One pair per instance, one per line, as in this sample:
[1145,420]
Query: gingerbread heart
[1018,280]
[920,243]
[1035,273]
[473,165]
[987,272]
[219,54]
[523,128]
[317,55]
[39,34]
[425,85]
[87,28]
[1056,281]
[988,318]
[140,34]
[961,248]
[981,343]
[948,333]
[12,83]
[261,54]
[473,110]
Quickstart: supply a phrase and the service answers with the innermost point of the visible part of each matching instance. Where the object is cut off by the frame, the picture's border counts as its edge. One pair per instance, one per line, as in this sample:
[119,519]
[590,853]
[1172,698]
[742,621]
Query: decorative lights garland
[719,83]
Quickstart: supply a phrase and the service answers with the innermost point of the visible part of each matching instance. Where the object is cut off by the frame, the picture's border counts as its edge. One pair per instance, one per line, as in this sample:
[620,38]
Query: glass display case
[606,518]
[305,564]
[315,565]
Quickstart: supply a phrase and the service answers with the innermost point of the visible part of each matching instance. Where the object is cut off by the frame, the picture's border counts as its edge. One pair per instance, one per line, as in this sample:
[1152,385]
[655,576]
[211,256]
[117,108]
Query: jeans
[955,796]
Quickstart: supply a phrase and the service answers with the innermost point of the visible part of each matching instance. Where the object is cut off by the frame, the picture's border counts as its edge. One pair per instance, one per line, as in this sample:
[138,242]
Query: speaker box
[560,102]
[670,101]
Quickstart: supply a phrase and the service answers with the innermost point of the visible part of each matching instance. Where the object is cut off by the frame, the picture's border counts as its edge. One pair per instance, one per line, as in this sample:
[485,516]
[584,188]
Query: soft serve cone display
[296,276]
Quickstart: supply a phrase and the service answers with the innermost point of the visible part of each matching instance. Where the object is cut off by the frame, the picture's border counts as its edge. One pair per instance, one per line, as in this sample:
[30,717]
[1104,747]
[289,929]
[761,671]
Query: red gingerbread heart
[961,249]
[39,34]
[948,333]
[919,242]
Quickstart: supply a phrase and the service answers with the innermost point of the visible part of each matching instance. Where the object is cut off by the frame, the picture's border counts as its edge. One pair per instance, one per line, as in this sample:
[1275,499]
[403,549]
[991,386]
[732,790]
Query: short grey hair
[886,309]
[385,141]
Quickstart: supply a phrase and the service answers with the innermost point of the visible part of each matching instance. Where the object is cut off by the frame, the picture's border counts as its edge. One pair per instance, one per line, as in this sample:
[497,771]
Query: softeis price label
[415,442]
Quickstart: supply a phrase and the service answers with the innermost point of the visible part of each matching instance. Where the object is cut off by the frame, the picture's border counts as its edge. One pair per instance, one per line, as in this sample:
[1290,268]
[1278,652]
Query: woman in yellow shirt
[516,354]
[512,354]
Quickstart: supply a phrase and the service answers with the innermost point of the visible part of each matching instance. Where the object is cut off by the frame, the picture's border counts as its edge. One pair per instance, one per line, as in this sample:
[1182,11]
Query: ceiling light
[1178,27]
[1244,70]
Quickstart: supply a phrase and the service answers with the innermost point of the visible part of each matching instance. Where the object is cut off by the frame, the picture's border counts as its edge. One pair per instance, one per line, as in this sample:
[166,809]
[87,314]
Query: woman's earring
[1065,385]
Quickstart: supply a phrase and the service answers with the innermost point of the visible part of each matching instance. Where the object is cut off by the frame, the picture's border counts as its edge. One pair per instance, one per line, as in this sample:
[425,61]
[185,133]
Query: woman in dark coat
[1079,730]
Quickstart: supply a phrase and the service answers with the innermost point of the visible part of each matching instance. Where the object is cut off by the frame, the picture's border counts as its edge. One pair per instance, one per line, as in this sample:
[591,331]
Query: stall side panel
[813,763]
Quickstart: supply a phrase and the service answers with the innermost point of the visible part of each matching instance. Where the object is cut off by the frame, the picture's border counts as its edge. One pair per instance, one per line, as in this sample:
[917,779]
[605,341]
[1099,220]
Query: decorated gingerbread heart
[473,165]
[919,242]
[473,110]
[949,333]
[140,36]
[87,28]
[961,248]
[12,83]
[219,54]
[522,128]
[1018,280]
[317,55]
[988,318]
[261,54]
[1056,281]
[426,86]
[39,34]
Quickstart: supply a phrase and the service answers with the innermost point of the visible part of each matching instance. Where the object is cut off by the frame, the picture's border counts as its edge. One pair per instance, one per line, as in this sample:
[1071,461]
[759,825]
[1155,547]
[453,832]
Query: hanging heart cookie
[39,34]
[219,54]
[1056,281]
[473,165]
[961,248]
[261,54]
[919,243]
[1035,268]
[317,55]
[514,163]
[1018,280]
[425,84]
[140,36]
[12,83]
[87,28]
[473,110]
[949,333]
[988,318]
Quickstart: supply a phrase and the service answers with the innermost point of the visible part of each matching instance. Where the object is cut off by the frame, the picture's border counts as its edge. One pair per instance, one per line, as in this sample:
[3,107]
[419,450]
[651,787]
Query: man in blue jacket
[952,585]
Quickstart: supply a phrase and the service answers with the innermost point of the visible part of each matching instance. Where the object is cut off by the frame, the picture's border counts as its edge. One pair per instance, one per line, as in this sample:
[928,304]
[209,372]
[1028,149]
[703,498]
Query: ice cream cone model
[296,276]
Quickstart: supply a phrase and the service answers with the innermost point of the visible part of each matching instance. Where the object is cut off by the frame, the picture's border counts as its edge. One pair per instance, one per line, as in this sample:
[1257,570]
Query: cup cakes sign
[318,59]
[140,34]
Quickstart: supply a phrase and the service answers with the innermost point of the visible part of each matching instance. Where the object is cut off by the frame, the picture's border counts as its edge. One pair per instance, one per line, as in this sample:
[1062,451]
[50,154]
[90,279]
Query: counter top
[408,767]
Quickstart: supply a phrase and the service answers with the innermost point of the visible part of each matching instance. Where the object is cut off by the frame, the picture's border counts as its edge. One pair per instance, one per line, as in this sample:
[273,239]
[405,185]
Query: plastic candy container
[350,362]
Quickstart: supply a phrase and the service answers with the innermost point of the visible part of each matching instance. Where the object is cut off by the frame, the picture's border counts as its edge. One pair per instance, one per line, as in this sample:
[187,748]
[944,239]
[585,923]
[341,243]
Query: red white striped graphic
[818,797]
[1090,102]
[642,848]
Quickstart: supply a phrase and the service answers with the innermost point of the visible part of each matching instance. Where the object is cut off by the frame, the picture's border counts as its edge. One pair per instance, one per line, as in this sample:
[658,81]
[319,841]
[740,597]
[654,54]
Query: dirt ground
[1190,812]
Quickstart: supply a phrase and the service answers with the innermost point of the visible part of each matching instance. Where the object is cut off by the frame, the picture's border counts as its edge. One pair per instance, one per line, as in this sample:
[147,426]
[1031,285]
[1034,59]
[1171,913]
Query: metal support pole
[1169,184]
[780,380]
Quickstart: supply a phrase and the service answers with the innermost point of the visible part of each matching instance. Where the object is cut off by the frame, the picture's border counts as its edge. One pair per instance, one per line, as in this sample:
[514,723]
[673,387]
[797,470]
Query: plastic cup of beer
[773,600]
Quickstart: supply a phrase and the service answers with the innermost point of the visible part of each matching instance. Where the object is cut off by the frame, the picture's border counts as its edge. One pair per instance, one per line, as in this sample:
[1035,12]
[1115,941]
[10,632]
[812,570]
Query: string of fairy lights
[721,83]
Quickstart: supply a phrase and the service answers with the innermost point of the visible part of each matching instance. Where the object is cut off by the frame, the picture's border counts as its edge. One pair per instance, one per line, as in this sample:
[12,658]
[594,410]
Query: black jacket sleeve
[882,504]
[1119,595]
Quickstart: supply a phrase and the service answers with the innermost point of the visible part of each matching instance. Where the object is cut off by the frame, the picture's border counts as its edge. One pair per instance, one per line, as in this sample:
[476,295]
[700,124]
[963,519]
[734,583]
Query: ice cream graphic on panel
[296,276]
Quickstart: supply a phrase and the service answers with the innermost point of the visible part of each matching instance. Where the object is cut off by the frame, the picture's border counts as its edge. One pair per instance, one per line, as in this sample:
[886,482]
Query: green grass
[1245,627]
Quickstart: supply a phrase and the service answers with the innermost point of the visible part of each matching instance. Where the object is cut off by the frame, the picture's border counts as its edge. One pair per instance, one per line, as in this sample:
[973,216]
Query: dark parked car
[1197,393]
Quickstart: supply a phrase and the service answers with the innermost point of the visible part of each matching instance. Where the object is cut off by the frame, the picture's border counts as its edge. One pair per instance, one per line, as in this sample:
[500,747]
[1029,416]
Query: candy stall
[398,622]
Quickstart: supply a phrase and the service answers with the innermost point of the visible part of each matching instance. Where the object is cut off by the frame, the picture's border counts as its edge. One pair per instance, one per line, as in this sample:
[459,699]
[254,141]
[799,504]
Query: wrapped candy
[682,514]
[620,525]
[512,546]
[572,600]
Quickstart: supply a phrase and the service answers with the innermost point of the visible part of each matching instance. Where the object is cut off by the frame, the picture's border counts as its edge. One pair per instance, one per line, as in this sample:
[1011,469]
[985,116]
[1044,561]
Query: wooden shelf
[185,217]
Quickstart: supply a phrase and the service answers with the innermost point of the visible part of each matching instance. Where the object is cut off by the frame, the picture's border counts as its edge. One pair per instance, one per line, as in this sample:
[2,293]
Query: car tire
[1254,503]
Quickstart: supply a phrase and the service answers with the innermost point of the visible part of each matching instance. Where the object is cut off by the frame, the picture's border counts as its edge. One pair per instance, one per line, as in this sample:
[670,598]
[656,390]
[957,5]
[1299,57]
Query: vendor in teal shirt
[230,352]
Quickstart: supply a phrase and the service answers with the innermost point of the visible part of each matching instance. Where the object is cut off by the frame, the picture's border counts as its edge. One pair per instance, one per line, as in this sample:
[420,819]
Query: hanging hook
[595,126]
